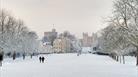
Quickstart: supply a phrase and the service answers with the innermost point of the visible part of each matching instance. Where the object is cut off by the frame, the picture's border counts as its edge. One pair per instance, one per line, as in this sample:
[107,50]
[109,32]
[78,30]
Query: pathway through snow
[69,65]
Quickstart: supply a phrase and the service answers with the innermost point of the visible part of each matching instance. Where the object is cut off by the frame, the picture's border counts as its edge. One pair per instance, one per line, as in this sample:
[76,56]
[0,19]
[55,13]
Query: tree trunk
[123,59]
[137,61]
[14,56]
[136,57]
[117,58]
[120,59]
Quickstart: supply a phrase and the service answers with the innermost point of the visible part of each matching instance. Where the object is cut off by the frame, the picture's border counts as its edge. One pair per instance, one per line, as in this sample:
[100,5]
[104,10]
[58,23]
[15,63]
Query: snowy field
[69,65]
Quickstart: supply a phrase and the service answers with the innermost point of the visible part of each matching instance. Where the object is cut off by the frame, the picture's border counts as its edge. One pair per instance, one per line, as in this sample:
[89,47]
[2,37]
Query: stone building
[62,45]
[87,40]
[57,46]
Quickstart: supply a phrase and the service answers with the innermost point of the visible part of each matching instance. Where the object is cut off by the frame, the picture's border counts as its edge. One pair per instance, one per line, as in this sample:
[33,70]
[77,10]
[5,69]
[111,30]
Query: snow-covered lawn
[69,65]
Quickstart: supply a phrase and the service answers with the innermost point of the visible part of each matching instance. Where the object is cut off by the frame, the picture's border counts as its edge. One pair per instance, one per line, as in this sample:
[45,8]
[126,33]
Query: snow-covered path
[69,65]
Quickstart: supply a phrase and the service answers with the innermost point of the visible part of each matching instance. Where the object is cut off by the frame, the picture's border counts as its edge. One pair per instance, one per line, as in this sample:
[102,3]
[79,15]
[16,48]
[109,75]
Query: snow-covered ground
[69,65]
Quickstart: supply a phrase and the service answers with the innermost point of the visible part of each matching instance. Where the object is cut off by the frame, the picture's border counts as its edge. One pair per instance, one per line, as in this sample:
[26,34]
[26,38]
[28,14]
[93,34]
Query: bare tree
[125,15]
[15,36]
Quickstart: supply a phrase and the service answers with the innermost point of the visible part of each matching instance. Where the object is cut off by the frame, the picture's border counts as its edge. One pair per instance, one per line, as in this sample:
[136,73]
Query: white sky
[76,16]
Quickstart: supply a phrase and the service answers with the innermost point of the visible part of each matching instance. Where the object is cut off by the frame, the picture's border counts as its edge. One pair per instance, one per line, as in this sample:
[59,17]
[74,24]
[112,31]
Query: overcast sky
[76,16]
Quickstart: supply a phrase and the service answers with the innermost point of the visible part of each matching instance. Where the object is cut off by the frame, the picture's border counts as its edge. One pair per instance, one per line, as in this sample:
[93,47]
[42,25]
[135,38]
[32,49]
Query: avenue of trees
[15,37]
[120,37]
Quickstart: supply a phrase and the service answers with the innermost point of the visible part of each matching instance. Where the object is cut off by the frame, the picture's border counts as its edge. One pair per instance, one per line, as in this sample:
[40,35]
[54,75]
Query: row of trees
[15,37]
[121,36]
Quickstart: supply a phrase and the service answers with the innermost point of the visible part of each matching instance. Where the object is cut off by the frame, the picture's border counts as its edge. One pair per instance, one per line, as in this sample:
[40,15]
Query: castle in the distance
[50,36]
[87,40]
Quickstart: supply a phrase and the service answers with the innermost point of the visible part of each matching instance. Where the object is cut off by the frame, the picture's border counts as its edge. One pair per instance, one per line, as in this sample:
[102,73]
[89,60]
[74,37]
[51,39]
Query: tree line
[120,37]
[15,37]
